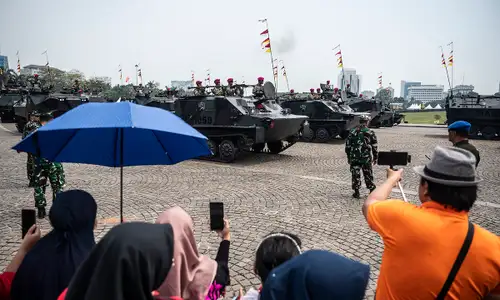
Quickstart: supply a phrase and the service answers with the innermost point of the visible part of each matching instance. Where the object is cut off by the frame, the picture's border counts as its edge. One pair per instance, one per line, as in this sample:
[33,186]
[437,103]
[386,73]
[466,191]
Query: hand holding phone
[31,238]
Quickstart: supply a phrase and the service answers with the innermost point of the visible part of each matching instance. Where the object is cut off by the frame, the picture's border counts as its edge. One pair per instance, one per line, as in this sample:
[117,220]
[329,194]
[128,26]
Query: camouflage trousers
[30,167]
[60,173]
[367,174]
[45,170]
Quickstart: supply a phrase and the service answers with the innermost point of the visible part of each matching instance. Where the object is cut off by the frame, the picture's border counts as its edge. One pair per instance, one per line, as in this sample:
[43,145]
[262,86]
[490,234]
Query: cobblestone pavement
[305,190]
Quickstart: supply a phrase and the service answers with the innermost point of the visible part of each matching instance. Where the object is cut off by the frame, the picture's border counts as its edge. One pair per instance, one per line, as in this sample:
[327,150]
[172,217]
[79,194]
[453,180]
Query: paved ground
[305,190]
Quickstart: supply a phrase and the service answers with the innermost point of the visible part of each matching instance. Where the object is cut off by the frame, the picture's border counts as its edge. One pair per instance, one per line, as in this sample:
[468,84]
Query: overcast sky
[399,38]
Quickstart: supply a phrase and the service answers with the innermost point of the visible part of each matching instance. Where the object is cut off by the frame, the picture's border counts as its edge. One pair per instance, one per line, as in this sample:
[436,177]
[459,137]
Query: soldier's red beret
[229,80]
[328,82]
[260,79]
[36,75]
[318,89]
[217,80]
[312,90]
[198,81]
[336,89]
[292,90]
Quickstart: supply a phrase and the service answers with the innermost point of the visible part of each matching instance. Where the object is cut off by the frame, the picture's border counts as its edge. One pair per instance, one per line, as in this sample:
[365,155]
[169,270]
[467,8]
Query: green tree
[124,92]
[96,86]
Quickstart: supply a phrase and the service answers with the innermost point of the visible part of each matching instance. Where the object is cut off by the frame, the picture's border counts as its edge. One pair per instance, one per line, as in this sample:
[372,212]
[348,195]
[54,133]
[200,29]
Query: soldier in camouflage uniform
[32,125]
[318,93]
[292,95]
[230,89]
[200,89]
[361,150]
[258,89]
[45,170]
[311,96]
[217,90]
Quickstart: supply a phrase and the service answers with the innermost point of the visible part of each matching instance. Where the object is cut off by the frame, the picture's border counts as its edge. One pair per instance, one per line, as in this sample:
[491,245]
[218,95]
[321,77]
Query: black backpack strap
[458,262]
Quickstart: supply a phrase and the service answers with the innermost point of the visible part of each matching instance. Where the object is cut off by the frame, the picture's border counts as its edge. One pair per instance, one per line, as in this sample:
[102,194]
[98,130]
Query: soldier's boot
[41,212]
[356,194]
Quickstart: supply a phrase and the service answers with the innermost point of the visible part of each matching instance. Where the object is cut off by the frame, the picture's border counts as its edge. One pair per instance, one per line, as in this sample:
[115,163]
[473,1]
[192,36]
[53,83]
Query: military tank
[237,124]
[326,119]
[44,101]
[11,90]
[482,112]
[379,114]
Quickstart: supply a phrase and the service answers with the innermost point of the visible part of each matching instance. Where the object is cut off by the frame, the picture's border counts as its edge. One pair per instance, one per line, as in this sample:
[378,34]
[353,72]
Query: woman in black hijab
[129,263]
[48,268]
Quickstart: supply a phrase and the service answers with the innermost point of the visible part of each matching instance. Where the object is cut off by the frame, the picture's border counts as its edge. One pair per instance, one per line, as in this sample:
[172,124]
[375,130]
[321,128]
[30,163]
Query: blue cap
[460,125]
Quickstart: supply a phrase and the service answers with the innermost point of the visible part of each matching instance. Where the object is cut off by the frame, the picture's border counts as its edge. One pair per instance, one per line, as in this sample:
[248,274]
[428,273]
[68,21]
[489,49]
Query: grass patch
[425,117]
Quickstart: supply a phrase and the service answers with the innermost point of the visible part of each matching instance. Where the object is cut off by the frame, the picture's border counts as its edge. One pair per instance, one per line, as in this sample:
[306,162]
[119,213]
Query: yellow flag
[268,50]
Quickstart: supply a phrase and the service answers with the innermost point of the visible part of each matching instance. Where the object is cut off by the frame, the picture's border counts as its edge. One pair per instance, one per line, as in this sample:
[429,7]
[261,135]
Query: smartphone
[216,215]
[28,219]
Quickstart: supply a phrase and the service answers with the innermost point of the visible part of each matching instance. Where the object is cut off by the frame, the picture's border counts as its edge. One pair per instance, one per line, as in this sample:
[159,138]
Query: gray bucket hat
[450,166]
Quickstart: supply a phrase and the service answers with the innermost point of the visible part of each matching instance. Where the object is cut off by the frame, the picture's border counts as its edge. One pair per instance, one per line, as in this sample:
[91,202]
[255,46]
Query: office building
[349,76]
[404,88]
[426,93]
[36,69]
[4,62]
[368,94]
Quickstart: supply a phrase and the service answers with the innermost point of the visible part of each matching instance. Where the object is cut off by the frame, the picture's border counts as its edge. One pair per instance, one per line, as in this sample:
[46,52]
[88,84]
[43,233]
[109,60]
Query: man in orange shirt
[433,249]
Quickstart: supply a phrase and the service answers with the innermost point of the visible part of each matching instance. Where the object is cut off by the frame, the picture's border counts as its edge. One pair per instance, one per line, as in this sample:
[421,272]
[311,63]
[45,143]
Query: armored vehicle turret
[236,124]
[482,112]
[56,103]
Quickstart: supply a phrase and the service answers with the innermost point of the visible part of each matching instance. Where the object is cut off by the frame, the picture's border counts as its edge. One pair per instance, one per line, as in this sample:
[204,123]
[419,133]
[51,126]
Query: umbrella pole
[121,194]
[121,175]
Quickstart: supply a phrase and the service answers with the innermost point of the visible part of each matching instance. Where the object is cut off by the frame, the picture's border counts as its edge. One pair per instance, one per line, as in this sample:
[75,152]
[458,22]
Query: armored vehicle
[56,103]
[11,90]
[7,100]
[236,124]
[326,119]
[482,112]
[379,114]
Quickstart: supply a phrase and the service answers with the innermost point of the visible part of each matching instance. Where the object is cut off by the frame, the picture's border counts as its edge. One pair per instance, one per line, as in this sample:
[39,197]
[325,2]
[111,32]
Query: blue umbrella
[116,135]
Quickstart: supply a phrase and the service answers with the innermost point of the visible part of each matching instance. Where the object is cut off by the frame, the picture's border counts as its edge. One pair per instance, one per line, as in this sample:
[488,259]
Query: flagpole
[342,82]
[137,74]
[452,55]
[285,75]
[18,63]
[47,64]
[446,68]
[121,74]
[271,54]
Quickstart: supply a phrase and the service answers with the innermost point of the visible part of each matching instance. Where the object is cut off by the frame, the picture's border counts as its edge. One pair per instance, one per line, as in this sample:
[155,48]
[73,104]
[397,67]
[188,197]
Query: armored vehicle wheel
[212,145]
[322,135]
[308,134]
[275,147]
[227,151]
[488,132]
[258,147]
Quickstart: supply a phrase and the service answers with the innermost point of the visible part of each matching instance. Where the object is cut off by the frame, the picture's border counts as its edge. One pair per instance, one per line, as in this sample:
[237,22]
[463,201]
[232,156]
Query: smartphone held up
[28,219]
[216,216]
